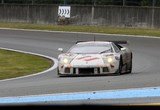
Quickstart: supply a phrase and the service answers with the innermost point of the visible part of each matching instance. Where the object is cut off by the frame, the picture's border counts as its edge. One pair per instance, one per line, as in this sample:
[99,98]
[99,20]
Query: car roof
[94,42]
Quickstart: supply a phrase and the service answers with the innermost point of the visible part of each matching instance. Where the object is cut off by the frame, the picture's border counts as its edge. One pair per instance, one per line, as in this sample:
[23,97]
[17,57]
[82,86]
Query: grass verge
[91,29]
[15,64]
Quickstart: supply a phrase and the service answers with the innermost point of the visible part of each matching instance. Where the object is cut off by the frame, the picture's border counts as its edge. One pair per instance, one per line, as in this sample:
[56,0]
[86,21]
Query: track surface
[146,63]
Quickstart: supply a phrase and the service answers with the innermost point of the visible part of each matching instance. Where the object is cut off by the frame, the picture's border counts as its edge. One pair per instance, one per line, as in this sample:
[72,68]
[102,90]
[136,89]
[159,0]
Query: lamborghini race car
[95,58]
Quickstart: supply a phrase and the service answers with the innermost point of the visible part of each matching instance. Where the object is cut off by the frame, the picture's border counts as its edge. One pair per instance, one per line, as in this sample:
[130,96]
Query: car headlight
[108,59]
[65,60]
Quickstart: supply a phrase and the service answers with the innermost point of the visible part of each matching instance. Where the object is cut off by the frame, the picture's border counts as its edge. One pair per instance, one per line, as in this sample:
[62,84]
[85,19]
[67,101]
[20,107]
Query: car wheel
[57,71]
[119,71]
[130,65]
[130,68]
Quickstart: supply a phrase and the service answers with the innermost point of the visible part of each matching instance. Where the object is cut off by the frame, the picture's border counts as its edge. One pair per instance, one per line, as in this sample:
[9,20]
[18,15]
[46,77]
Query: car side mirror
[122,49]
[60,49]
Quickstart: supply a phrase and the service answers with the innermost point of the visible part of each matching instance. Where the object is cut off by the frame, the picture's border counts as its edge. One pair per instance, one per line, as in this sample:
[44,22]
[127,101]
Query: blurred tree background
[87,2]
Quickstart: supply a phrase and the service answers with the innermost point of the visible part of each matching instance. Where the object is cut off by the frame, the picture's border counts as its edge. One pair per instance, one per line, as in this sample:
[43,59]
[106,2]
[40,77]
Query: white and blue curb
[92,95]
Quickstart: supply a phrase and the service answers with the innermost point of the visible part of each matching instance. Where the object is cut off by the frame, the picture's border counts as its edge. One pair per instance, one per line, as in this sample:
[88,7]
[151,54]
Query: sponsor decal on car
[88,58]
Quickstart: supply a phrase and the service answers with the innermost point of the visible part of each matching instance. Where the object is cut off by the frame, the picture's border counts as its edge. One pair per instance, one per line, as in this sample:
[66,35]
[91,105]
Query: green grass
[14,64]
[91,29]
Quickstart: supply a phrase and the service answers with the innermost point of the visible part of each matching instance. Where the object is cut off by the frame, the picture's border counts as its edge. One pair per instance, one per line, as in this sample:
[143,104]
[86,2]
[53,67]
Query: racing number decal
[83,57]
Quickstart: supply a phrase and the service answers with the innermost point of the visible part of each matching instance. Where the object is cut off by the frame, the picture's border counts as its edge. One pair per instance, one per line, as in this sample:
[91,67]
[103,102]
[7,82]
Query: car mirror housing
[122,49]
[60,49]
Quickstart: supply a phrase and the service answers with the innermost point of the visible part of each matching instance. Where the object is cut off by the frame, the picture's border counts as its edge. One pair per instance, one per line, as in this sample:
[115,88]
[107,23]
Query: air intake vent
[105,69]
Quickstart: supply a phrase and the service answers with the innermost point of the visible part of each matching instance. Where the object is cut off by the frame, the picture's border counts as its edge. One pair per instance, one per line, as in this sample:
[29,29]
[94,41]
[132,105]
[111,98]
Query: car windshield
[91,48]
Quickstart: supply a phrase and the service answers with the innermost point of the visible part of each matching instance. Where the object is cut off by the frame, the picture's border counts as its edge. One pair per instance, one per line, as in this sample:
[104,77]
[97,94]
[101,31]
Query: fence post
[92,14]
[28,14]
[153,6]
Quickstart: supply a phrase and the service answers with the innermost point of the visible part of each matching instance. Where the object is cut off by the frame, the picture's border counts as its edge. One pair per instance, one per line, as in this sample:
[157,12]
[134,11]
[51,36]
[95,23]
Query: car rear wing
[120,42]
[116,42]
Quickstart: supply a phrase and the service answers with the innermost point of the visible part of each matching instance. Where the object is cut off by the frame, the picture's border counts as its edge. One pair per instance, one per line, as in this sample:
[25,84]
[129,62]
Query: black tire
[119,71]
[57,71]
[130,68]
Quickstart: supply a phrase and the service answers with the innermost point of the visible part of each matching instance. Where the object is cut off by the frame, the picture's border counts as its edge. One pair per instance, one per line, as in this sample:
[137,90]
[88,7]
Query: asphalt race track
[146,64]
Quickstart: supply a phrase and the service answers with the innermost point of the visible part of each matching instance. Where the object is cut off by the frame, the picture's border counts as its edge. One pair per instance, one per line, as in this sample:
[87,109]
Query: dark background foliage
[87,2]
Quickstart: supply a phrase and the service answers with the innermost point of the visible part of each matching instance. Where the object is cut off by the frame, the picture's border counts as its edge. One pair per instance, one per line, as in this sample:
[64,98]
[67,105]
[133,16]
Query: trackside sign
[64,11]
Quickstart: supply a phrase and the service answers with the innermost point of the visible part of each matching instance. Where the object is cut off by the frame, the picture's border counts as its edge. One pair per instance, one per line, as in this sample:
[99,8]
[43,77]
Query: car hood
[87,60]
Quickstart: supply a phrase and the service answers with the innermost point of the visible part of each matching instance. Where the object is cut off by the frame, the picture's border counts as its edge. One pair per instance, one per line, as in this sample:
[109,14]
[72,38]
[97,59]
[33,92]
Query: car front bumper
[65,71]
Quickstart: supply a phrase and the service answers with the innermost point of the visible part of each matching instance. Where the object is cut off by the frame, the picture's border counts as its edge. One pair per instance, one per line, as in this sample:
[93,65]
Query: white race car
[95,58]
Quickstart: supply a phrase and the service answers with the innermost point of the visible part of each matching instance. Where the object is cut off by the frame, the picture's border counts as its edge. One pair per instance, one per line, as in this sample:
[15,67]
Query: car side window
[116,48]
